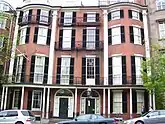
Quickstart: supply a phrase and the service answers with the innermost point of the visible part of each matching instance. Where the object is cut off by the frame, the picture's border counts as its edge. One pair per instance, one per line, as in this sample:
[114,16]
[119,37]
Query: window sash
[25,16]
[19,68]
[116,36]
[44,16]
[137,35]
[68,18]
[90,68]
[138,61]
[42,36]
[117,102]
[91,38]
[160,4]
[23,36]
[91,17]
[115,15]
[162,30]
[140,101]
[36,100]
[135,15]
[16,99]
[67,35]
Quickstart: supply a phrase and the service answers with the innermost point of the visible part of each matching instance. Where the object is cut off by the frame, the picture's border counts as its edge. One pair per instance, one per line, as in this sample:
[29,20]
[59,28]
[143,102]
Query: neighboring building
[79,59]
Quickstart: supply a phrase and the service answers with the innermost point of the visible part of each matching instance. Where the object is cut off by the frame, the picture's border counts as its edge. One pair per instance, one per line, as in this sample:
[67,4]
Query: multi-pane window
[36,100]
[135,15]
[117,102]
[39,69]
[91,17]
[42,35]
[16,99]
[67,35]
[115,15]
[44,16]
[91,37]
[68,18]
[2,23]
[162,30]
[90,68]
[140,100]
[116,35]
[137,35]
[25,16]
[19,68]
[138,61]
[65,70]
[22,36]
[160,4]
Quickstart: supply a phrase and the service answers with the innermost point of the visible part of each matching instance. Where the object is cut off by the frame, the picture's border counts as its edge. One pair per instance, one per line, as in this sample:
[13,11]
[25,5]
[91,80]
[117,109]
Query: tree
[155,81]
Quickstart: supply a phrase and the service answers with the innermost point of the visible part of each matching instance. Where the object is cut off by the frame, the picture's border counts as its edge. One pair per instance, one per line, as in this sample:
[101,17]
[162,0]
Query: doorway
[63,108]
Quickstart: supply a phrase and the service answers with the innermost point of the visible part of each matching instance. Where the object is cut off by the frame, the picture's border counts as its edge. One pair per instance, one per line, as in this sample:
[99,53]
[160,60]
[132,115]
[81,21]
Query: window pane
[90,68]
[91,17]
[37,99]
[68,18]
[115,15]
[44,16]
[116,37]
[42,36]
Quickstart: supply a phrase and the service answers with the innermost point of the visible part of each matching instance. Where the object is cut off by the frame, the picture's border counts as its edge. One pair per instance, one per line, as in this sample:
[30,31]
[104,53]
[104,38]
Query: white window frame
[140,100]
[39,75]
[22,35]
[33,93]
[137,37]
[162,30]
[19,68]
[25,16]
[92,73]
[116,35]
[115,15]
[91,17]
[2,23]
[42,38]
[1,42]
[138,62]
[68,18]
[15,99]
[44,16]
[117,102]
[67,37]
[91,37]
[160,4]
[135,15]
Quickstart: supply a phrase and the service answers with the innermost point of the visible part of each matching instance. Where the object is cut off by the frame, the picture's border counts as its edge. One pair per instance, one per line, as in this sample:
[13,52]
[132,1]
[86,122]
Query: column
[5,98]
[14,45]
[153,97]
[105,47]
[109,103]
[43,104]
[75,103]
[2,99]
[104,106]
[130,94]
[47,105]
[51,49]
[22,97]
[150,99]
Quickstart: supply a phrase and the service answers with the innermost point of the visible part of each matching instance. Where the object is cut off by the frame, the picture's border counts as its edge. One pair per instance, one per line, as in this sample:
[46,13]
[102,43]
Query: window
[25,16]
[36,100]
[91,17]
[1,42]
[160,4]
[116,36]
[42,35]
[137,35]
[91,37]
[65,70]
[140,100]
[16,99]
[19,68]
[67,33]
[23,36]
[138,61]
[27,113]
[68,18]
[162,30]
[2,23]
[117,70]
[3,113]
[90,68]
[44,16]
[12,113]
[135,15]
[39,69]
[117,102]
[115,15]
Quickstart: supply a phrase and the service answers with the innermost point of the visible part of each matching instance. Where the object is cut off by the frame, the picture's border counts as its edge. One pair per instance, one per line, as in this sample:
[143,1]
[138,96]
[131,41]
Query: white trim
[66,56]
[90,12]
[63,89]
[14,98]
[67,28]
[136,26]
[113,55]
[115,26]
[22,97]
[20,55]
[90,56]
[138,55]
[90,28]
[115,9]
[42,55]
[26,26]
[136,10]
[6,94]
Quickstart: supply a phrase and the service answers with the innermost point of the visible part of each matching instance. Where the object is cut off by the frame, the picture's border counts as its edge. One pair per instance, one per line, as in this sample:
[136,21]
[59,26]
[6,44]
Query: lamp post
[89,90]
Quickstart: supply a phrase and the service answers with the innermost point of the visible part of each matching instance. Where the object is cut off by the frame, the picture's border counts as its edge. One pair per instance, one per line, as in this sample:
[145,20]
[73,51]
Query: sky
[17,3]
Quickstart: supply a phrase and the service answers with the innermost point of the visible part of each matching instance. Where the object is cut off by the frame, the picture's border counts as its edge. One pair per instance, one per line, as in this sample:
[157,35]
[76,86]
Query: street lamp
[89,91]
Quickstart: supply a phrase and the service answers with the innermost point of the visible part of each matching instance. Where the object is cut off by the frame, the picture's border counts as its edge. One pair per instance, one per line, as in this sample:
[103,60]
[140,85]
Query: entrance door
[90,106]
[63,110]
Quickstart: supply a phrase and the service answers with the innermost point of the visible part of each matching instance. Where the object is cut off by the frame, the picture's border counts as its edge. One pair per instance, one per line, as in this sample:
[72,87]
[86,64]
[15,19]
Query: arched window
[93,94]
[63,92]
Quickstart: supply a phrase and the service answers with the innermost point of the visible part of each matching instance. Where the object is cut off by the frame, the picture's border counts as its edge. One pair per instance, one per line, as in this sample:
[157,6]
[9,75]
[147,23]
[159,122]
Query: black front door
[90,106]
[63,110]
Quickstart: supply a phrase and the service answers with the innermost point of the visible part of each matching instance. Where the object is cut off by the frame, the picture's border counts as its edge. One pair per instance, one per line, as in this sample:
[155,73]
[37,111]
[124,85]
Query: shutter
[71,78]
[38,15]
[84,71]
[50,17]
[124,103]
[141,16]
[97,17]
[20,17]
[111,101]
[131,34]
[27,35]
[14,68]
[133,70]
[134,101]
[30,16]
[74,18]
[110,73]
[60,38]
[109,36]
[122,34]
[121,13]
[84,37]
[124,73]
[32,69]
[97,40]
[142,36]
[85,17]
[146,99]
[11,96]
[46,70]
[29,103]
[23,72]
[130,14]
[97,71]
[18,37]
[62,18]
[35,35]
[48,37]
[73,39]
[58,71]
[145,69]
[109,16]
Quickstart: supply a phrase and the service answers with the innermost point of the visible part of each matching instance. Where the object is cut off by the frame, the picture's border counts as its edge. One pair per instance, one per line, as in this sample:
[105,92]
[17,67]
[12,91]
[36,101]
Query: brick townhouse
[79,59]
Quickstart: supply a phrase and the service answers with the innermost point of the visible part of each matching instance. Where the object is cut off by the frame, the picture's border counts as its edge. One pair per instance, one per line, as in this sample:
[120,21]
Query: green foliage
[154,77]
